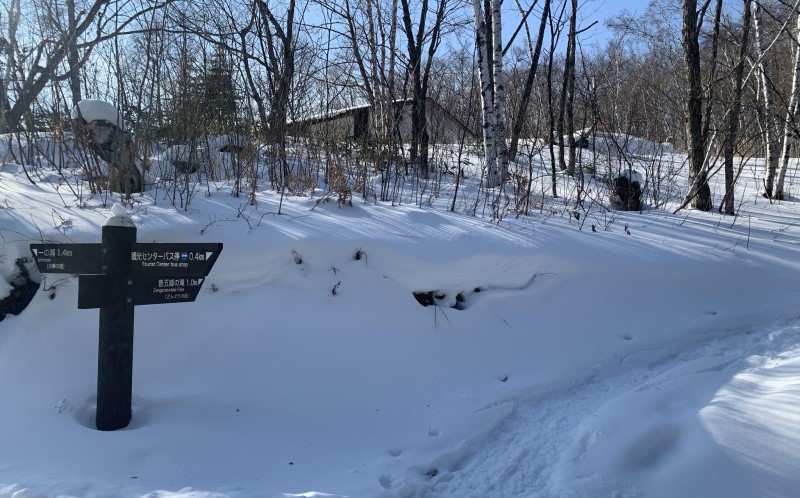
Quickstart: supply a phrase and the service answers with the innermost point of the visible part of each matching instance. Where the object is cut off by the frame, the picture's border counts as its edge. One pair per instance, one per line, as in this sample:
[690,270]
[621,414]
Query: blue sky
[601,10]
[588,11]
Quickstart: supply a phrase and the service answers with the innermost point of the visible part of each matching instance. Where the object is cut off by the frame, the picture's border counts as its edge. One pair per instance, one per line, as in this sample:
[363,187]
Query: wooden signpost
[115,276]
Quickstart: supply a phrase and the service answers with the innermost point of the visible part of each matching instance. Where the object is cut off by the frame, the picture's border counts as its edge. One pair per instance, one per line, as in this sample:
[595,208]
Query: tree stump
[97,125]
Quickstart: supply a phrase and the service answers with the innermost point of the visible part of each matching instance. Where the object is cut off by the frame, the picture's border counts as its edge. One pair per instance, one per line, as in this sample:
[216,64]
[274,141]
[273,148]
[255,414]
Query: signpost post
[115,349]
[115,276]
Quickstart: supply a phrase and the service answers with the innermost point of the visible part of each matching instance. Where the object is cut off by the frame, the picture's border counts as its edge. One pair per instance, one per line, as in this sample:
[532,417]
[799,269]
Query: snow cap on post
[119,217]
[97,110]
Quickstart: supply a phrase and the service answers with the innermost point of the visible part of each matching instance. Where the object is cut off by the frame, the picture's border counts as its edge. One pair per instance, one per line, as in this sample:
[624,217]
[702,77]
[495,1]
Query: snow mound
[227,143]
[97,110]
[617,144]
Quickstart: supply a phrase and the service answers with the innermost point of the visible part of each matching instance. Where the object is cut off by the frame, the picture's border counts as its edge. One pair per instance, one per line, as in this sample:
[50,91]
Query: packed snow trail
[638,431]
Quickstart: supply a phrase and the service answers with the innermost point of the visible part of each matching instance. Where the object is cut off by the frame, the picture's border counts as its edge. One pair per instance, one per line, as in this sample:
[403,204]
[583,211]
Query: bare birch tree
[771,140]
[489,46]
[790,125]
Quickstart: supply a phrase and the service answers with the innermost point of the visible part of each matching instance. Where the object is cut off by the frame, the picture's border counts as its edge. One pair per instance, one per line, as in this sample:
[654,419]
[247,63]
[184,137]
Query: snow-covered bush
[18,291]
[626,191]
[608,155]
[185,158]
[218,157]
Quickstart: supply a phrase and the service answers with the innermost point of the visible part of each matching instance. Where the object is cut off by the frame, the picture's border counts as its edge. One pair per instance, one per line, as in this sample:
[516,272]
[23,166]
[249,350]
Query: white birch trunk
[378,96]
[487,97]
[770,126]
[789,126]
[389,71]
[501,147]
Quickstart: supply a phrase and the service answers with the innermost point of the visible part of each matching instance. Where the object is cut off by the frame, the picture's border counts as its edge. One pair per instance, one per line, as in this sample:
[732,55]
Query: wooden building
[354,123]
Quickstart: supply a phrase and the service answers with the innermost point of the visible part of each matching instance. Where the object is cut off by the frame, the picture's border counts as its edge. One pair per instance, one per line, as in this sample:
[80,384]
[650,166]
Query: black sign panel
[160,290]
[84,259]
[174,259]
[94,291]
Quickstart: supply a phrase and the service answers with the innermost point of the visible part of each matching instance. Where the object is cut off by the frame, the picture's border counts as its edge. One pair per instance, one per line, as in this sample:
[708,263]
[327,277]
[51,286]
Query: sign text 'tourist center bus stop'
[116,275]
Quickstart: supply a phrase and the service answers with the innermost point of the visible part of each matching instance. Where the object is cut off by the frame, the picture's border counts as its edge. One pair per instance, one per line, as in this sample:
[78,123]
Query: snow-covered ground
[658,356]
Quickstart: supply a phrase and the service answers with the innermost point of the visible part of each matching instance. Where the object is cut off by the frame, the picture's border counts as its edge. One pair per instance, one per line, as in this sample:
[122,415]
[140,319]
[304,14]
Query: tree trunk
[712,78]
[550,97]
[420,75]
[733,118]
[415,74]
[699,191]
[522,111]
[790,124]
[487,97]
[73,57]
[770,124]
[392,122]
[499,96]
[254,89]
[569,84]
[490,69]
[382,51]
[282,71]
[12,22]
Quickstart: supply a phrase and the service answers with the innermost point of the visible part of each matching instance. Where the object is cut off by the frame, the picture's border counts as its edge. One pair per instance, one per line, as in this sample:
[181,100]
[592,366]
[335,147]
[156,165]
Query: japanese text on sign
[170,256]
[166,283]
[55,252]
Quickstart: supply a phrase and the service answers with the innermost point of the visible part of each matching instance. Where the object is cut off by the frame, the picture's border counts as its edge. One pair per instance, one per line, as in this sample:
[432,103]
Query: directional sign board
[94,292]
[155,290]
[174,259]
[83,259]
[115,276]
